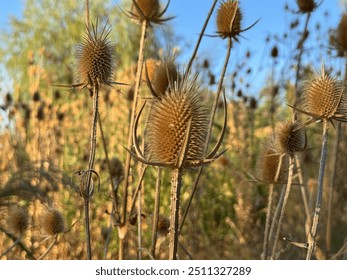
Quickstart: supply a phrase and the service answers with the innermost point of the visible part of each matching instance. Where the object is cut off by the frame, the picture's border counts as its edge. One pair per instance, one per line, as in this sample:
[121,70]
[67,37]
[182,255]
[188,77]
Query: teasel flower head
[324,97]
[163,226]
[117,169]
[52,221]
[161,76]
[306,6]
[18,220]
[273,164]
[229,20]
[148,10]
[340,38]
[288,139]
[177,128]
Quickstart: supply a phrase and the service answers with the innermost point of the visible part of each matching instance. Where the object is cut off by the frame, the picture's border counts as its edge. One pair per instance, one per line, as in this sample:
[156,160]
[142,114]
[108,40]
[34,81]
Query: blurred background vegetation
[45,139]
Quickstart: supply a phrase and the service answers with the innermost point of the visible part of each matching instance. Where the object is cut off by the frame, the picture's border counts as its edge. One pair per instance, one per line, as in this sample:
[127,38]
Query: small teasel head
[52,221]
[95,58]
[306,6]
[163,74]
[290,140]
[163,226]
[273,163]
[325,97]
[148,10]
[179,114]
[340,38]
[117,169]
[18,220]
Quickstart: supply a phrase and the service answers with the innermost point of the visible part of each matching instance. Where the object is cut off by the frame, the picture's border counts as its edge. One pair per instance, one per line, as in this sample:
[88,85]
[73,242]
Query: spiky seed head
[229,18]
[322,96]
[273,163]
[306,6]
[163,226]
[164,74]
[52,221]
[117,169]
[149,10]
[341,33]
[151,65]
[289,140]
[169,119]
[95,57]
[18,220]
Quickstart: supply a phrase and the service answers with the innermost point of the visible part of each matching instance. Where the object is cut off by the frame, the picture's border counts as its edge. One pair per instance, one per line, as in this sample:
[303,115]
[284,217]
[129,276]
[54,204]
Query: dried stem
[132,119]
[277,213]
[285,200]
[156,212]
[311,240]
[49,248]
[176,183]
[267,223]
[11,247]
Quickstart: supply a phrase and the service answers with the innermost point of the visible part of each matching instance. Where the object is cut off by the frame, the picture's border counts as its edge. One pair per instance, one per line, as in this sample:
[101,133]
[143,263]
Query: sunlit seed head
[168,122]
[341,33]
[229,19]
[146,9]
[18,220]
[289,140]
[322,95]
[95,57]
[52,221]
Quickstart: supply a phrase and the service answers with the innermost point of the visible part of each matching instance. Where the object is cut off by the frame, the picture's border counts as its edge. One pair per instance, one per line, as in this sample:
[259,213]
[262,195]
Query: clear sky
[190,16]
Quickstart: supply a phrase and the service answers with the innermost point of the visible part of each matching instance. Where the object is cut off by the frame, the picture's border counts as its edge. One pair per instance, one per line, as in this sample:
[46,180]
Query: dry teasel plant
[324,100]
[176,137]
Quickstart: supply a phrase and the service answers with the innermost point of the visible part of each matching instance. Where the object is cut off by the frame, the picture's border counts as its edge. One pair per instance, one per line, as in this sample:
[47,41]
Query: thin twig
[11,247]
[49,248]
[276,214]
[311,241]
[267,223]
[156,212]
[131,125]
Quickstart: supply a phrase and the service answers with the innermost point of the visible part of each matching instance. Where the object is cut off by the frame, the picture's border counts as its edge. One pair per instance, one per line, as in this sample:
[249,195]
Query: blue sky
[190,16]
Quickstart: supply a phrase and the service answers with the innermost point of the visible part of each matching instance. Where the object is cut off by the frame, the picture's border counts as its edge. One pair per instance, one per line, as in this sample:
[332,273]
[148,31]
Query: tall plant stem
[214,108]
[190,63]
[132,119]
[311,240]
[87,13]
[176,183]
[285,200]
[276,214]
[156,212]
[267,223]
[89,188]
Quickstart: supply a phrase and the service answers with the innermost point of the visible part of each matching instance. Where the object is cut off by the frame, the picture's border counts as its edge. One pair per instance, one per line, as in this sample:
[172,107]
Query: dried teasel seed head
[253,103]
[341,34]
[41,112]
[325,96]
[151,65]
[289,140]
[52,221]
[169,119]
[117,168]
[274,52]
[95,58]
[306,6]
[273,164]
[229,19]
[163,226]
[18,220]
[36,96]
[150,9]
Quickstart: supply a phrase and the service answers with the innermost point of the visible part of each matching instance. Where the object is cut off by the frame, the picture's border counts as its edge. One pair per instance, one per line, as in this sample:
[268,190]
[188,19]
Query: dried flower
[18,220]
[306,6]
[288,139]
[341,34]
[52,221]
[117,169]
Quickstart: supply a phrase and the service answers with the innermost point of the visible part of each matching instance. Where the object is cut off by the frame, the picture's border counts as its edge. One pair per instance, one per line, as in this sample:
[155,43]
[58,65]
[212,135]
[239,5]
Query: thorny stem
[176,183]
[189,66]
[267,223]
[132,119]
[88,186]
[311,240]
[285,200]
[156,212]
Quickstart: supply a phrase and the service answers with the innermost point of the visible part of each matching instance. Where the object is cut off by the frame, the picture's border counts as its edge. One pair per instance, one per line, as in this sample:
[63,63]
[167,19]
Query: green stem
[313,233]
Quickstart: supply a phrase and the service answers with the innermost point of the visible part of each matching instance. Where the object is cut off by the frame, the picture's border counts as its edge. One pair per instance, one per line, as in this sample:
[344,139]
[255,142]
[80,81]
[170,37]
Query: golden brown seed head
[306,6]
[289,140]
[229,19]
[146,9]
[52,221]
[168,123]
[324,96]
[95,59]
[273,167]
[18,220]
